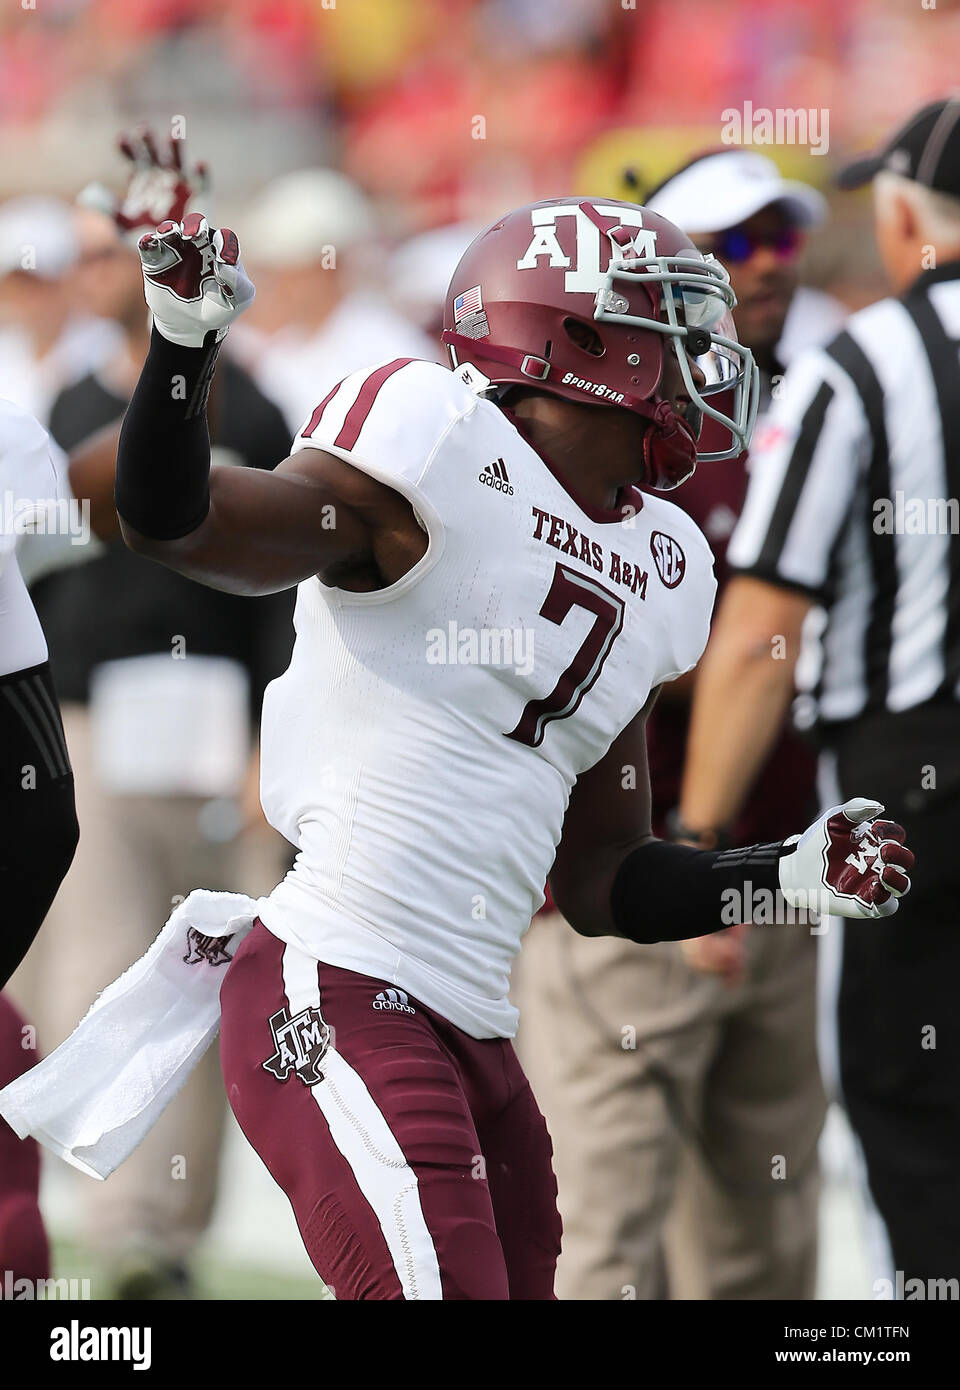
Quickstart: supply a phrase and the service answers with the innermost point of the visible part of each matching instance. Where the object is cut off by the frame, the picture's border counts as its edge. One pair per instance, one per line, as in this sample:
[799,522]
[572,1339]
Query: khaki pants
[136,856]
[684,1113]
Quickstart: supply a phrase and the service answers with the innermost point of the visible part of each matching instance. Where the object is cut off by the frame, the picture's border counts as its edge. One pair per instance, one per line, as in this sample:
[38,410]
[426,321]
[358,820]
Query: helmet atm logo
[586,276]
[669,559]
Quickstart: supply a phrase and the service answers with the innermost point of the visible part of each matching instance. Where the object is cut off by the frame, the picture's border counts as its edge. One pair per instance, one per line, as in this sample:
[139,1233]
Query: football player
[487,606]
[37,810]
[36,787]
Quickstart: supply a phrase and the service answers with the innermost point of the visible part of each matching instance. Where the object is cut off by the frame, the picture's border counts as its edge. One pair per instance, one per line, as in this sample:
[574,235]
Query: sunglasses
[736,244]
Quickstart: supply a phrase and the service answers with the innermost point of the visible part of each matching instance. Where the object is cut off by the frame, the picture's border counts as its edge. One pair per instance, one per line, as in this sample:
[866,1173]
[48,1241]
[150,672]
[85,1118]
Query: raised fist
[193,280]
[848,863]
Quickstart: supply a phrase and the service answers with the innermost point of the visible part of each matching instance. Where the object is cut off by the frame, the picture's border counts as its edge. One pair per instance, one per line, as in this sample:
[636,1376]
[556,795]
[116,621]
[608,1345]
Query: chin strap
[539,369]
[669,449]
[536,368]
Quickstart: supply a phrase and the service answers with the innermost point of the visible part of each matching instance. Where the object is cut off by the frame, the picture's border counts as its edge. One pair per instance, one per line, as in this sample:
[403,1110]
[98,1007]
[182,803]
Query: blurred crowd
[441,106]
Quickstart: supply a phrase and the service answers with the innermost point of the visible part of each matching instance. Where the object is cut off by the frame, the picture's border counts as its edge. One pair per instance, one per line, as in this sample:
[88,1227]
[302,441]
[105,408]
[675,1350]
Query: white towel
[94,1098]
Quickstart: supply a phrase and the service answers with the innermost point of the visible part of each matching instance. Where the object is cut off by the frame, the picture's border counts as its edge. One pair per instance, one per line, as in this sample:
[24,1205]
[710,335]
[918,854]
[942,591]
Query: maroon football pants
[23,1240]
[415,1158]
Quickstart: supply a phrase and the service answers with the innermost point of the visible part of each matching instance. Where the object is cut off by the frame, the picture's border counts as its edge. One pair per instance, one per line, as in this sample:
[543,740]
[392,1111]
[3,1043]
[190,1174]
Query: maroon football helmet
[581,297]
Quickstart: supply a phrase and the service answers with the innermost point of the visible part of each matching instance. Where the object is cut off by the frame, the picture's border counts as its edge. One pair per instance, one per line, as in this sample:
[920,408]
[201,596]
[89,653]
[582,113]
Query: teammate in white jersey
[37,810]
[36,783]
[487,607]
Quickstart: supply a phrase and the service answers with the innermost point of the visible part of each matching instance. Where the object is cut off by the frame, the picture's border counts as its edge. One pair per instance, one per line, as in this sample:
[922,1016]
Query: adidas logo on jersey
[395,1001]
[495,476]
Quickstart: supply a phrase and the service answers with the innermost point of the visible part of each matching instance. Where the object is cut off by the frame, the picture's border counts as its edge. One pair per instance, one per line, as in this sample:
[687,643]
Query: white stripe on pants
[362,1135]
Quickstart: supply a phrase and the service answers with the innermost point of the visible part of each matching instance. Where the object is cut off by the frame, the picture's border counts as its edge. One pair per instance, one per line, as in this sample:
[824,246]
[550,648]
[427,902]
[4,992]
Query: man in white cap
[305,239]
[663,1142]
[420,270]
[737,205]
[44,343]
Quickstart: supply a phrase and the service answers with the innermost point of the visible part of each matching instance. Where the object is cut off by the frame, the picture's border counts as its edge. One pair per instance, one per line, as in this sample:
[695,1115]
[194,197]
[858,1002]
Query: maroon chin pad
[669,452]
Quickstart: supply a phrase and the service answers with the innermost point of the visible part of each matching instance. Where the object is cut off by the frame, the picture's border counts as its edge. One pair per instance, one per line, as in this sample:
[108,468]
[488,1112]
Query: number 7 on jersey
[567,591]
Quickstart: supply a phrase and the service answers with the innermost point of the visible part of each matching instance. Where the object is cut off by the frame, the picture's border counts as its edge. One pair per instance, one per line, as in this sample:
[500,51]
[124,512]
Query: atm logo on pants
[300,1043]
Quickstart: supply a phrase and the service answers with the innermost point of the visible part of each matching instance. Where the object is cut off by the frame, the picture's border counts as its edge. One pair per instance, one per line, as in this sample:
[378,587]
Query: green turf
[214,1278]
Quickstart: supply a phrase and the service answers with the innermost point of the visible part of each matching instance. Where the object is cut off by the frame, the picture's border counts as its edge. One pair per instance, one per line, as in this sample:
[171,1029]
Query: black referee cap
[926,149]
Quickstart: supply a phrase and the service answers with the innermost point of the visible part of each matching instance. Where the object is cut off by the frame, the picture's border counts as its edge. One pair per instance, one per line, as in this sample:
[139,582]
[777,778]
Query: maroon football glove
[193,279]
[848,863]
[159,188]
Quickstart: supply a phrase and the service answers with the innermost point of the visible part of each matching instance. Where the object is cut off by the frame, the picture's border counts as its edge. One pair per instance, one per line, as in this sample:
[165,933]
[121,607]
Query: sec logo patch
[669,559]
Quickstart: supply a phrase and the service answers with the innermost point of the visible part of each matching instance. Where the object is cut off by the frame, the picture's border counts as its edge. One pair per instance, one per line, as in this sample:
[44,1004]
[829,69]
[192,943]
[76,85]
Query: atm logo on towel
[212,949]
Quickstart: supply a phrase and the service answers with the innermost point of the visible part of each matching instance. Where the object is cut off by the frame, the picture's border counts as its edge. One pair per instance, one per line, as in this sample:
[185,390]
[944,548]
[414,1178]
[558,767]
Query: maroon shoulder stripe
[358,412]
[317,415]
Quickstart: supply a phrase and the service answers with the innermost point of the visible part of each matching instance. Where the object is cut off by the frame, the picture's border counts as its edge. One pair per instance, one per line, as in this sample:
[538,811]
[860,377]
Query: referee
[851,522]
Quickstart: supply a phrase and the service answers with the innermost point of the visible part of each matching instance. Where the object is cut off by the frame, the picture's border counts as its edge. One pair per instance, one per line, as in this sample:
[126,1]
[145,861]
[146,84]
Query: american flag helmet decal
[470,302]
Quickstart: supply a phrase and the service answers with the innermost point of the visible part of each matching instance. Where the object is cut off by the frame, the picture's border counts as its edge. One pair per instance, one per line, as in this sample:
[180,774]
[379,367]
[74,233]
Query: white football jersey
[421,748]
[29,481]
[30,471]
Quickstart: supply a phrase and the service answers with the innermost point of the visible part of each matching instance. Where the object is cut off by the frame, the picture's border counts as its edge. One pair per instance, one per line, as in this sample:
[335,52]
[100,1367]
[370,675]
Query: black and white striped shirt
[854,498]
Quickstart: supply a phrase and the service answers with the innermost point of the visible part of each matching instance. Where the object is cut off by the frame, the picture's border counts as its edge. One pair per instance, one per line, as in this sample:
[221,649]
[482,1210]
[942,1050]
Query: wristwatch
[708,838]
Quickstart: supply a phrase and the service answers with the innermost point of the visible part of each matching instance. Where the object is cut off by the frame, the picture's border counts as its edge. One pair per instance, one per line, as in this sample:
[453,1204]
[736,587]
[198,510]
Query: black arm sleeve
[163,462]
[667,892]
